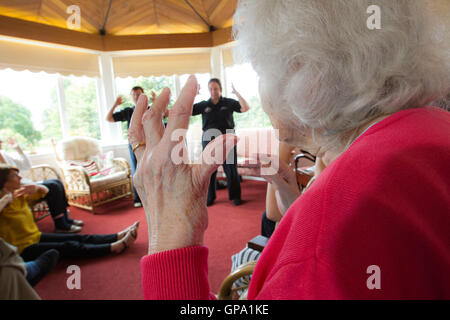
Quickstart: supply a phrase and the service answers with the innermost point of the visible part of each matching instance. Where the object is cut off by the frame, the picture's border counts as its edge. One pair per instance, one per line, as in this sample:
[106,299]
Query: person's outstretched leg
[82,245]
[37,269]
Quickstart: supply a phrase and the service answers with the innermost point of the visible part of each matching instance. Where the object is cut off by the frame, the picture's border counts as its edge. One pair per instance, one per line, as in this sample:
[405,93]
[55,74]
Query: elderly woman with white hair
[375,223]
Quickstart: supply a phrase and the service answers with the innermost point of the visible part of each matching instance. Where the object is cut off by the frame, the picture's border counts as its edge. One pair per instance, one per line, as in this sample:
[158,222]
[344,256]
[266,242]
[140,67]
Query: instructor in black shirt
[217,118]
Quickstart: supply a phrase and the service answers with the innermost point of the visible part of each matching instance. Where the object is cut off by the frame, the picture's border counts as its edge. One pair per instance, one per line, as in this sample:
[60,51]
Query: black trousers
[231,172]
[71,245]
[56,197]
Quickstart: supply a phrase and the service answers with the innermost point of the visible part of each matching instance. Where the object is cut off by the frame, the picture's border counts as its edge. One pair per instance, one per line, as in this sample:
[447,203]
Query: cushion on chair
[100,180]
[104,162]
[78,148]
[90,166]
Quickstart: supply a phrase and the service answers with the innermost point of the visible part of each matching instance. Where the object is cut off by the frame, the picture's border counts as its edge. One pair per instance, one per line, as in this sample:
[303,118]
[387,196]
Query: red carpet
[119,276]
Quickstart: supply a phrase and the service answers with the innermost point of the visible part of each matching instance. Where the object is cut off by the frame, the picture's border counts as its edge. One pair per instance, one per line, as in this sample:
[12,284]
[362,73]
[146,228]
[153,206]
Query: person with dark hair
[18,228]
[217,119]
[56,197]
[125,115]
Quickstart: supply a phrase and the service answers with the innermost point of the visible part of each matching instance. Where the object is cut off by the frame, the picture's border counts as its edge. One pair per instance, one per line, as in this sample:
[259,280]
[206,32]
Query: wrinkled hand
[173,191]
[285,184]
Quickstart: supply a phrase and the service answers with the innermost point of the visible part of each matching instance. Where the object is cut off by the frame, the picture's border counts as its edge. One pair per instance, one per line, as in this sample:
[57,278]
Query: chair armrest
[258,243]
[225,291]
[122,164]
[44,172]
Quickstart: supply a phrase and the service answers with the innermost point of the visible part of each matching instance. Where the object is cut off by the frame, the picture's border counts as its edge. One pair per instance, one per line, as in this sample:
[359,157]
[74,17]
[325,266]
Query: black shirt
[124,115]
[219,116]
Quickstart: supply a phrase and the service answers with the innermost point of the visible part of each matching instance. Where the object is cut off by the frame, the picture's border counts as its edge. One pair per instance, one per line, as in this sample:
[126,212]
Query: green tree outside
[82,108]
[82,112]
[15,121]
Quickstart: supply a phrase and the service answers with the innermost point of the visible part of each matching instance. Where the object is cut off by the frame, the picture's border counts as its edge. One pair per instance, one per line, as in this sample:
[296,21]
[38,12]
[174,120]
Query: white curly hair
[323,69]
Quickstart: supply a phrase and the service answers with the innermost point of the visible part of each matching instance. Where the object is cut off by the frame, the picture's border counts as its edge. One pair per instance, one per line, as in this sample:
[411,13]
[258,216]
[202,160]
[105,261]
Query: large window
[38,107]
[82,106]
[245,81]
[28,108]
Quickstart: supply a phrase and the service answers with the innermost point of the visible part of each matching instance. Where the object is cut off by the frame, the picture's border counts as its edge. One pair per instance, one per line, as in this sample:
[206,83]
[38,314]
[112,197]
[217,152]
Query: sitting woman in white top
[55,198]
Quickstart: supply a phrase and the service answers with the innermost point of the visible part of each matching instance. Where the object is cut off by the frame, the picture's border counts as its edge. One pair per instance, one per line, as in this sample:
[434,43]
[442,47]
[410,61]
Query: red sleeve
[180,274]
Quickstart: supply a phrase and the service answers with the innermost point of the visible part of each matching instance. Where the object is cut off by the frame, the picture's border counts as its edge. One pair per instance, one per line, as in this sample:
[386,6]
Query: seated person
[56,197]
[17,226]
[378,211]
[13,272]
[34,270]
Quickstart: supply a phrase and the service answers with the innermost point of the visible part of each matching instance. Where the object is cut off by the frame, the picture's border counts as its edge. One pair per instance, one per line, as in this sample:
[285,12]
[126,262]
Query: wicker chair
[36,174]
[83,190]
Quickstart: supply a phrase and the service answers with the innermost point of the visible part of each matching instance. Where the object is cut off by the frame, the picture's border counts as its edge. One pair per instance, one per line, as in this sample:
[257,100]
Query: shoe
[79,223]
[237,202]
[45,263]
[137,204]
[72,229]
[221,184]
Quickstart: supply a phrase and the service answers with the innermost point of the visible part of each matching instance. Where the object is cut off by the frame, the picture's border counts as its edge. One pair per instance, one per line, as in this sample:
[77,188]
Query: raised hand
[153,96]
[12,143]
[118,101]
[234,91]
[173,191]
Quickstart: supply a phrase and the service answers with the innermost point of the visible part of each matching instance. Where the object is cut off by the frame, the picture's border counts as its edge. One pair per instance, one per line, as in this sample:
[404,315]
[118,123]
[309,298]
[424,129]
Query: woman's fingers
[152,119]
[181,111]
[136,131]
[284,176]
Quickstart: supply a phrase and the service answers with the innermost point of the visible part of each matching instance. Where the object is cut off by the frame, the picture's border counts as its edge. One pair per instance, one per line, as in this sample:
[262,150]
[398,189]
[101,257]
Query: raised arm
[244,104]
[173,192]
[109,115]
[22,161]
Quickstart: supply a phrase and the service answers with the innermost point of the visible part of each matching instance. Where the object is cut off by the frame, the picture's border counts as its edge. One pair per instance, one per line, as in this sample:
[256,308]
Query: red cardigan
[374,225]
